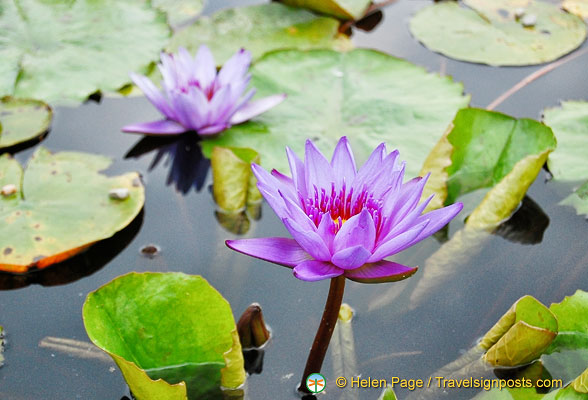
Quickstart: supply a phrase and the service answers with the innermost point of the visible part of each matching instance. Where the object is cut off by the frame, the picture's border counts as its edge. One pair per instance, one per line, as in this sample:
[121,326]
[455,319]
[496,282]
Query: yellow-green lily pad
[59,205]
[172,335]
[489,32]
[343,9]
[521,335]
[578,7]
[22,120]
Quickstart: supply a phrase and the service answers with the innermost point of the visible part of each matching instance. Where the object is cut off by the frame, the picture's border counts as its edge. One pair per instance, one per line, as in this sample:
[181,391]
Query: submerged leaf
[344,9]
[22,120]
[259,29]
[67,50]
[578,200]
[369,96]
[343,350]
[489,31]
[61,207]
[171,327]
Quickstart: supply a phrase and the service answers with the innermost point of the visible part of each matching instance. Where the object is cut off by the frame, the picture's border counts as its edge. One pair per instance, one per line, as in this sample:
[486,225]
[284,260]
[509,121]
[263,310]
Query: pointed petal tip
[381,272]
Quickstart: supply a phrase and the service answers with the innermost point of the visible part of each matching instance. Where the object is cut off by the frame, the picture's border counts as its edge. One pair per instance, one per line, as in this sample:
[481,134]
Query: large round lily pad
[22,120]
[260,29]
[179,11]
[369,96]
[171,335]
[488,32]
[61,206]
[66,50]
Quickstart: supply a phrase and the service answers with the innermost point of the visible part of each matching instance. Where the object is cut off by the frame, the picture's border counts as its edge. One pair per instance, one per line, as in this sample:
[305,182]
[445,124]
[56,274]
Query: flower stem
[325,330]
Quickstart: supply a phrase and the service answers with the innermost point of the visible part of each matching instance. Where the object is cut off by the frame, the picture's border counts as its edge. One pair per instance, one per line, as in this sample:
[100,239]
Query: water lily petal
[438,219]
[235,68]
[351,257]
[382,271]
[398,243]
[282,251]
[318,171]
[297,170]
[297,214]
[205,71]
[213,129]
[153,94]
[313,270]
[343,163]
[308,240]
[388,230]
[220,106]
[254,108]
[358,230]
[371,168]
[162,127]
[326,230]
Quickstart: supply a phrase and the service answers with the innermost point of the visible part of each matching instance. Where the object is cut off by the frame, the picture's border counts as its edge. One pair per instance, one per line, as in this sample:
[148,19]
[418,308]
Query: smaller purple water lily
[344,222]
[196,98]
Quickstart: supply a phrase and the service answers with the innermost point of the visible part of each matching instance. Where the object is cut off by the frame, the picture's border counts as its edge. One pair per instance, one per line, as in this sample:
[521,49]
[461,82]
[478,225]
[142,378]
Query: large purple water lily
[344,221]
[196,98]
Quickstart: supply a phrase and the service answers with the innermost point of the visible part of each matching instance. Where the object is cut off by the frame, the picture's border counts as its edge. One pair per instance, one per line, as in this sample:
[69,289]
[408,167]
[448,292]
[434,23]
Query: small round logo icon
[316,383]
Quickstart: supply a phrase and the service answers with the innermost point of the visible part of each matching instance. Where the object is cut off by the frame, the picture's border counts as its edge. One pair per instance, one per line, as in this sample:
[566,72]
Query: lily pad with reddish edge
[61,206]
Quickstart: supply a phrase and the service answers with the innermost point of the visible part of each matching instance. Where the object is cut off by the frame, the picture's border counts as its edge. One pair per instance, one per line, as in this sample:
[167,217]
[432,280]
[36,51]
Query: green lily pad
[580,384]
[61,51]
[179,11]
[61,205]
[260,29]
[570,125]
[343,9]
[521,335]
[366,95]
[488,149]
[577,7]
[22,120]
[489,33]
[172,335]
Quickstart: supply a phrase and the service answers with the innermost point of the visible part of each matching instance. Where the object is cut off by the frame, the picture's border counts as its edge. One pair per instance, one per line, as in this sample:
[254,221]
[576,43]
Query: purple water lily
[344,222]
[196,98]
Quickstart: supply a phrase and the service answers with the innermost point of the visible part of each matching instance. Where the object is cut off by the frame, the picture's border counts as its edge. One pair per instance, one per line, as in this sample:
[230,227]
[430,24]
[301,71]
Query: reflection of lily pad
[67,50]
[369,96]
[488,149]
[22,120]
[489,32]
[260,29]
[61,206]
[344,9]
[168,326]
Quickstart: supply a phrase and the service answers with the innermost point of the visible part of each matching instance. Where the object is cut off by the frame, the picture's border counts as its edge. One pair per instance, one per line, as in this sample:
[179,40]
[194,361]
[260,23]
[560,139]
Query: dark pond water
[394,336]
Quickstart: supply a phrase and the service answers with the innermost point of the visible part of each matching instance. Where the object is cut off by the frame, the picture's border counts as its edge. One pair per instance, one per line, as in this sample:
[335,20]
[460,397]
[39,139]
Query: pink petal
[308,240]
[438,219]
[358,230]
[161,127]
[313,270]
[371,168]
[282,251]
[297,170]
[382,271]
[343,163]
[255,108]
[351,257]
